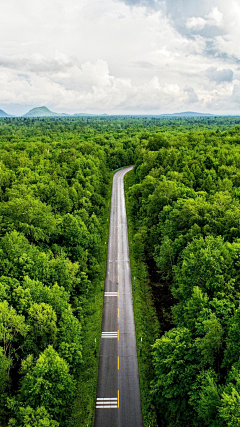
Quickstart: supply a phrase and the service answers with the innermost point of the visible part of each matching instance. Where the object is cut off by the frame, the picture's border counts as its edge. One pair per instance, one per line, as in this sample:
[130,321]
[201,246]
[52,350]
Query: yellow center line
[118,399]
[118,362]
[118,312]
[118,334]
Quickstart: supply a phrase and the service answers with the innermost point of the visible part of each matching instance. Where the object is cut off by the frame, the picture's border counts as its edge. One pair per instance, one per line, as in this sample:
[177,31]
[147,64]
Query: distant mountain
[82,114]
[188,114]
[3,114]
[88,114]
[43,112]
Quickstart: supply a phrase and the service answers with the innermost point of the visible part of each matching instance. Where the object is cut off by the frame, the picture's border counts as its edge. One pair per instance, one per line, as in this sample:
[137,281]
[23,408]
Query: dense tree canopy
[54,179]
[185,204]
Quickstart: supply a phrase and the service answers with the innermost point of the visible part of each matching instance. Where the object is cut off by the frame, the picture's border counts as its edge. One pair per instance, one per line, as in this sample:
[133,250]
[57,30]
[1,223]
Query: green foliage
[28,417]
[47,383]
[211,342]
[42,320]
[175,359]
[145,316]
[205,399]
[186,214]
[54,181]
[230,409]
[54,178]
[12,328]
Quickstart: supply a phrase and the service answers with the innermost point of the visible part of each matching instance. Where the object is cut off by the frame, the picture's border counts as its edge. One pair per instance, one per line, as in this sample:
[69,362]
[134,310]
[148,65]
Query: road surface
[118,402]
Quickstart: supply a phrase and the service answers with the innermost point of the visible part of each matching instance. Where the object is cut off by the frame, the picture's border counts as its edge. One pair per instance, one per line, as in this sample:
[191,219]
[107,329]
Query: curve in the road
[118,402]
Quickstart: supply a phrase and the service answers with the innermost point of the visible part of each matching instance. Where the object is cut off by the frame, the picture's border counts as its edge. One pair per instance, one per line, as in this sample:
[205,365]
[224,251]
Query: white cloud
[97,90]
[215,16]
[191,94]
[112,56]
[36,62]
[198,23]
[219,76]
[100,91]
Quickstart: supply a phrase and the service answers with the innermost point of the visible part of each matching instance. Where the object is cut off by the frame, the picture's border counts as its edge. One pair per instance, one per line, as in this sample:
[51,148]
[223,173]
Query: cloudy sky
[120,56]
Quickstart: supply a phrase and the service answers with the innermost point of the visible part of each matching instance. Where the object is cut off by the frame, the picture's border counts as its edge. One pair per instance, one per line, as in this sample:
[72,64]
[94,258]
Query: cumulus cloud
[192,97]
[219,76]
[119,56]
[184,14]
[215,21]
[36,62]
[150,4]
[236,94]
[198,23]
[97,91]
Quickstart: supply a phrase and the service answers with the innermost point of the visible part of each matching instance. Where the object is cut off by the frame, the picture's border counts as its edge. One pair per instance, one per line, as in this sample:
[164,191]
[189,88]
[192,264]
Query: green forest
[185,204]
[184,198]
[54,177]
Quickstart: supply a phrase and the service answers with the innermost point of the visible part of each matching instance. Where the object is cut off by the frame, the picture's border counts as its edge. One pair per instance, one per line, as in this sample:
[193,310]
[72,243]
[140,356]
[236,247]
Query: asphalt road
[118,402]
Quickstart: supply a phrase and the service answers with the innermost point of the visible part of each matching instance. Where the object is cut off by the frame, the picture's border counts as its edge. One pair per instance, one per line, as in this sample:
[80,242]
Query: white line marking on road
[106,407]
[106,402]
[109,335]
[107,398]
[111,294]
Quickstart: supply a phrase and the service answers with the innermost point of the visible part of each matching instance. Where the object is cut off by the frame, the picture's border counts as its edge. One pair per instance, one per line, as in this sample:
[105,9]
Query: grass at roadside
[146,321]
[84,404]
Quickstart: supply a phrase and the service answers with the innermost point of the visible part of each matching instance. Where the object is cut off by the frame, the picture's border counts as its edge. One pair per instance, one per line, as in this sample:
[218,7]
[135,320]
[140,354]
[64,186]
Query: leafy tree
[206,263]
[47,383]
[31,217]
[176,363]
[28,417]
[211,343]
[12,328]
[232,351]
[43,329]
[205,397]
[230,408]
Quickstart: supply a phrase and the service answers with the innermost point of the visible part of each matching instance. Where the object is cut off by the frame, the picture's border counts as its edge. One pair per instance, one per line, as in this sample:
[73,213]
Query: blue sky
[120,57]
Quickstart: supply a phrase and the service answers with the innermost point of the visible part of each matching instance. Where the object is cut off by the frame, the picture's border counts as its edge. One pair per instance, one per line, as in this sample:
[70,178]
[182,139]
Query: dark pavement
[118,402]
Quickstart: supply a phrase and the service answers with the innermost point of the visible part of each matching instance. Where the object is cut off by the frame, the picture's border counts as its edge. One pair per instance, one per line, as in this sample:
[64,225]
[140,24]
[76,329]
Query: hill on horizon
[189,114]
[3,114]
[43,112]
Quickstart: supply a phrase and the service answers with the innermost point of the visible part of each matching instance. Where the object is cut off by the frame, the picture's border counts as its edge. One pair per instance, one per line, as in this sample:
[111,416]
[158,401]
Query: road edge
[145,317]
